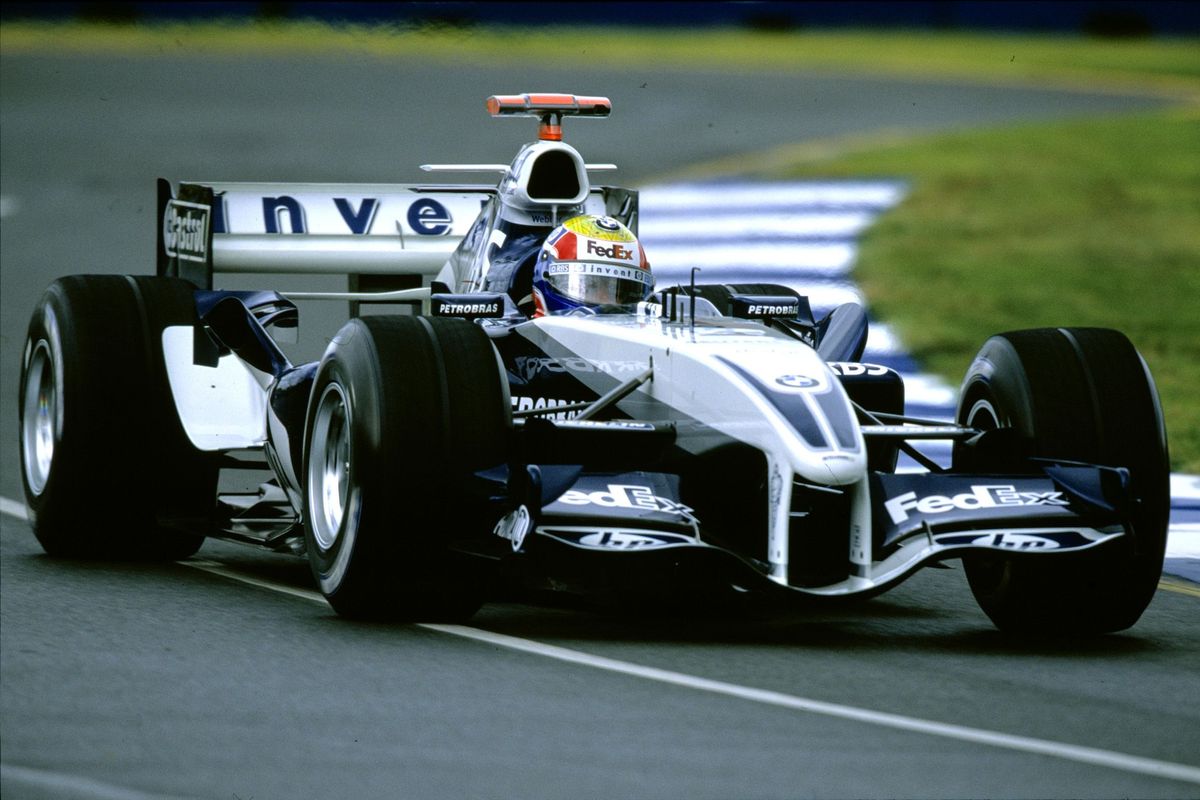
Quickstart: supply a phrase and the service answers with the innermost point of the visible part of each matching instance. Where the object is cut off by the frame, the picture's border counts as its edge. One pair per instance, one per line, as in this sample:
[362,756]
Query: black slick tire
[403,411]
[1076,394]
[107,469]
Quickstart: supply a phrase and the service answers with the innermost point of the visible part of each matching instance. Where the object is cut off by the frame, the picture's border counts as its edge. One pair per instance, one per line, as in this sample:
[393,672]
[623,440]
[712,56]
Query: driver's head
[590,261]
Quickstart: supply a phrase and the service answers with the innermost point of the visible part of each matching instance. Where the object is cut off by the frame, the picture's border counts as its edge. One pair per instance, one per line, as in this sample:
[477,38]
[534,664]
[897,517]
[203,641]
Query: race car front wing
[914,519]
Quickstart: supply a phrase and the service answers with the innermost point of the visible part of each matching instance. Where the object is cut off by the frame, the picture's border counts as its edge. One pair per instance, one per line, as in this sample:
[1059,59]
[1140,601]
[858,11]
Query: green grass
[1088,222]
[1084,223]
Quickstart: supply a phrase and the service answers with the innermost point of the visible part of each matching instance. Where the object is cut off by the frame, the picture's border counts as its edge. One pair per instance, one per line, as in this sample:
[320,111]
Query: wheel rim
[39,417]
[982,416]
[329,467]
[986,572]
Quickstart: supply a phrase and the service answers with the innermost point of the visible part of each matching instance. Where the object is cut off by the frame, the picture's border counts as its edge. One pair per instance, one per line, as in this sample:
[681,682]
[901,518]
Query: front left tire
[403,411]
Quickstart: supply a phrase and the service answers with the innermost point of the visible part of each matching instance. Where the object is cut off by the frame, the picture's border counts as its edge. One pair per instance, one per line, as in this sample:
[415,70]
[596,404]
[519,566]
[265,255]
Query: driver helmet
[587,262]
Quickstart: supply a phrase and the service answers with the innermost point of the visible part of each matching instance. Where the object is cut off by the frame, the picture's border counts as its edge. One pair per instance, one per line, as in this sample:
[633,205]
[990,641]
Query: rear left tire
[108,471]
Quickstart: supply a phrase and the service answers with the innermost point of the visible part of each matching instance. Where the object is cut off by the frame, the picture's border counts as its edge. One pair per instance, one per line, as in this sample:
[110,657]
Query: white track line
[13,508]
[698,199]
[1086,755]
[9,206]
[1069,752]
[12,778]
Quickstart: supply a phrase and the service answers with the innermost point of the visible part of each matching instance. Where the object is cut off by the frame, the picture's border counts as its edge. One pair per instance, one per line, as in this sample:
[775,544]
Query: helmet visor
[599,284]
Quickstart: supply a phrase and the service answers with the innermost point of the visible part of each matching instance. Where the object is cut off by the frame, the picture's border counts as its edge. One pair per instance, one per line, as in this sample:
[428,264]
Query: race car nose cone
[844,468]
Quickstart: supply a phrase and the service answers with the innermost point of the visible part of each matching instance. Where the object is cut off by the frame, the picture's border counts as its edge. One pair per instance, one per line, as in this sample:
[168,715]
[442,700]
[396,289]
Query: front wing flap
[998,511]
[917,518]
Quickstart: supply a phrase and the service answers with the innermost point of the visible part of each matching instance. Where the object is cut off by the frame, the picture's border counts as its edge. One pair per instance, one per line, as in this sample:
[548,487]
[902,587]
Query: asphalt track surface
[133,681]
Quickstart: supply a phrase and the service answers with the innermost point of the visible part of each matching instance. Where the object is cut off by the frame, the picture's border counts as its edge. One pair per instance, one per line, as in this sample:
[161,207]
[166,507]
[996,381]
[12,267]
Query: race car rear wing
[311,228]
[369,232]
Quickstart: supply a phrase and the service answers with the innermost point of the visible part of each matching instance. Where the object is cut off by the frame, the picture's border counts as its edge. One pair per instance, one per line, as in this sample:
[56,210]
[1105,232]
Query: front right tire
[1075,394]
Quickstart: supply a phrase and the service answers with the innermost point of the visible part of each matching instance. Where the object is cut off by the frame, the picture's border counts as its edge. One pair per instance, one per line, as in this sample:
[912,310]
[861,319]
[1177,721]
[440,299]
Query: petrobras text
[462,309]
[771,311]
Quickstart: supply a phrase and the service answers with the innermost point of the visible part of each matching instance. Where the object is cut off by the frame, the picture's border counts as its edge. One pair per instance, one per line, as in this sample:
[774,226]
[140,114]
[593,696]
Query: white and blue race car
[708,438]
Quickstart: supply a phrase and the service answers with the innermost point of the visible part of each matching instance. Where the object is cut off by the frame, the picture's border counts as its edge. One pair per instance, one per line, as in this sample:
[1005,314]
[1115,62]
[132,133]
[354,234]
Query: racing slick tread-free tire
[1085,395]
[403,411]
[107,469]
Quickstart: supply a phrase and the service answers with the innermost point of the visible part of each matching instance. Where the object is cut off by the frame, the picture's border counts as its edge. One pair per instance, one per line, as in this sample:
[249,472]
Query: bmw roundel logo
[608,224]
[796,381]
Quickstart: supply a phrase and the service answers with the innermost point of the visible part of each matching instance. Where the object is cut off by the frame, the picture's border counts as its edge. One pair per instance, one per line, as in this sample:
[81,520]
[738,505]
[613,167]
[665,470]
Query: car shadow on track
[871,626]
[933,611]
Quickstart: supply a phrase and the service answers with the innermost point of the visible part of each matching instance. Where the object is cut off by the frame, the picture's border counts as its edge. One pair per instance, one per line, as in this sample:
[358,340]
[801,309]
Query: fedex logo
[995,496]
[616,251]
[632,497]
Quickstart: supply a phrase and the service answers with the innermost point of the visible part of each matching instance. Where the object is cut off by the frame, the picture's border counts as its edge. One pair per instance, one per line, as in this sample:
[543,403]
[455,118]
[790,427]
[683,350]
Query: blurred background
[1092,17]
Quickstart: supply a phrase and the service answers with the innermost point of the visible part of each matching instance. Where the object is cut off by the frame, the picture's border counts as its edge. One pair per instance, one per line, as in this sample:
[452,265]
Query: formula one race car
[536,401]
